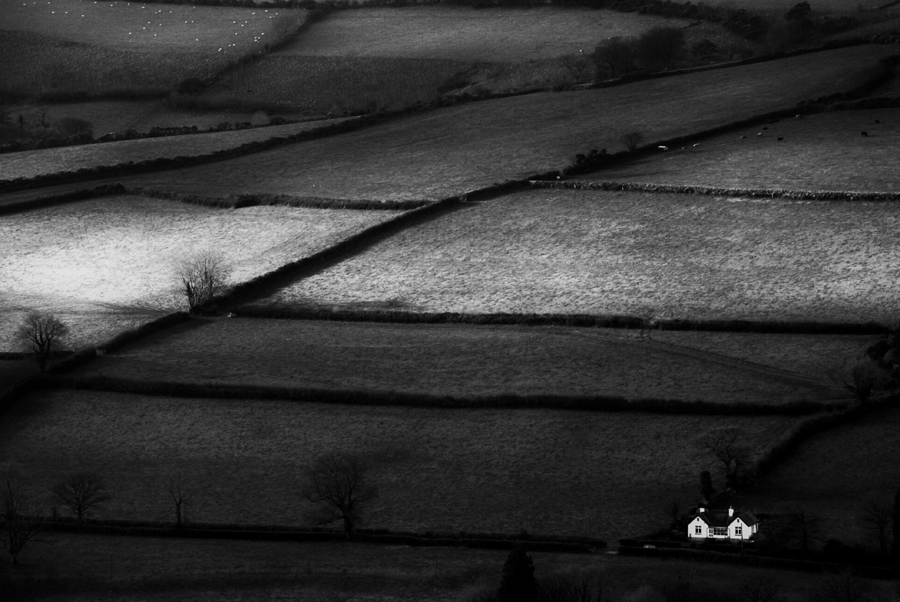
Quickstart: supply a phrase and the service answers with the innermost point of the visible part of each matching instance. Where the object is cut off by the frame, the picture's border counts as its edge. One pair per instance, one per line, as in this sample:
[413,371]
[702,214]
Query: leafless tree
[203,275]
[81,493]
[577,65]
[566,588]
[18,525]
[660,46]
[632,140]
[42,334]
[876,517]
[338,484]
[805,527]
[179,499]
[843,586]
[615,56]
[760,589]
[728,448]
[862,381]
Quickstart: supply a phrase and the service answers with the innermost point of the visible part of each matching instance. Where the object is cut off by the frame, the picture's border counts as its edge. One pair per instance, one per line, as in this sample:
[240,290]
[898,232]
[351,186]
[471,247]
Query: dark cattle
[865,133]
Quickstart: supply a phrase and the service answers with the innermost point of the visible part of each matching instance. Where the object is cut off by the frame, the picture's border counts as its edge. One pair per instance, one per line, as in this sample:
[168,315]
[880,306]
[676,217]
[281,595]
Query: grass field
[151,27]
[33,163]
[467,34]
[465,361]
[819,152]
[453,150]
[86,567]
[605,475]
[108,263]
[680,256]
[836,473]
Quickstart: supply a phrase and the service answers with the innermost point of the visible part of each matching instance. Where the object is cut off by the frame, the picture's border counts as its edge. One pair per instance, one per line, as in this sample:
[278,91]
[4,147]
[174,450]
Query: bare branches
[203,275]
[339,486]
[805,527]
[81,493]
[42,334]
[876,518]
[760,589]
[18,526]
[179,499]
[615,56]
[728,448]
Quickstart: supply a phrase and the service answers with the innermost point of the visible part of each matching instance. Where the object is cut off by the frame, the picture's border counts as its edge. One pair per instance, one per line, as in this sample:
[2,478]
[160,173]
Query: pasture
[34,163]
[834,474]
[156,28]
[107,264]
[453,150]
[595,474]
[468,361]
[824,151]
[160,570]
[677,256]
[465,34]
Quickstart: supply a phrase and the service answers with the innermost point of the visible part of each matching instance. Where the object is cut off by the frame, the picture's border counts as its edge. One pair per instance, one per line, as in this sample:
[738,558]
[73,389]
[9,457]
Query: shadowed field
[467,361]
[32,163]
[833,476]
[107,264]
[453,150]
[825,151]
[675,256]
[566,472]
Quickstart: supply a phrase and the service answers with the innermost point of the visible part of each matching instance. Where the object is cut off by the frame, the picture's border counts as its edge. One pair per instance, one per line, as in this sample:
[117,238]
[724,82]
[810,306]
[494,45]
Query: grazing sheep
[742,137]
[663,148]
[696,145]
[865,133]
[759,134]
[798,116]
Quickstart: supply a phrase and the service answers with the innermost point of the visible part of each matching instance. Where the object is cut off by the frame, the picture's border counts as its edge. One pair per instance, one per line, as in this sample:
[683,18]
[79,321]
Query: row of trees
[656,49]
[338,487]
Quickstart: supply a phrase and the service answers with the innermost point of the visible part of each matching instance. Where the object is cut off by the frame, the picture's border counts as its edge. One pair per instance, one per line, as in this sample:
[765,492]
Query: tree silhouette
[518,584]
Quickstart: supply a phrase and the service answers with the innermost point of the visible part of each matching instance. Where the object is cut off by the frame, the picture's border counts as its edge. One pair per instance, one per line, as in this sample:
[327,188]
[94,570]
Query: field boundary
[581,320]
[537,542]
[62,199]
[756,193]
[597,403]
[241,201]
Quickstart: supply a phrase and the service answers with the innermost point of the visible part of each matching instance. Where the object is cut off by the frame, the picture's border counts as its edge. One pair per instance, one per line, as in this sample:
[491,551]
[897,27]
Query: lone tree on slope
[726,445]
[81,493]
[203,275]
[18,526]
[42,334]
[339,486]
[518,583]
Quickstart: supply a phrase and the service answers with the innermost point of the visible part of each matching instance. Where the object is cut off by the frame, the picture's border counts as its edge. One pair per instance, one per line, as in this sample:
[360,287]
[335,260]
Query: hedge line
[161,163]
[240,201]
[580,320]
[547,543]
[59,199]
[768,193]
[595,403]
[873,572]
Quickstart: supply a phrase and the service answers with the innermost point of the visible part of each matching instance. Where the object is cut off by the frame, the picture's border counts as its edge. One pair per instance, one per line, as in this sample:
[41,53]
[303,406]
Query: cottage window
[698,530]
[738,530]
[720,531]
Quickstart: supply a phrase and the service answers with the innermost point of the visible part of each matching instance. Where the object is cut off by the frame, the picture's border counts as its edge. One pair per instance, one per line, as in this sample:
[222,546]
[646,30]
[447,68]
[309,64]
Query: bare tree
[728,448]
[615,56]
[876,517]
[862,381]
[660,46]
[81,493]
[339,486]
[805,527]
[42,334]
[203,275]
[18,525]
[179,499]
[566,588]
[759,589]
[843,586]
[632,140]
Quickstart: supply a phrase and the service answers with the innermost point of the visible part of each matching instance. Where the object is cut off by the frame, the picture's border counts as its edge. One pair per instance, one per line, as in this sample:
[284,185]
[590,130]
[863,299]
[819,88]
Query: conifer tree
[518,584]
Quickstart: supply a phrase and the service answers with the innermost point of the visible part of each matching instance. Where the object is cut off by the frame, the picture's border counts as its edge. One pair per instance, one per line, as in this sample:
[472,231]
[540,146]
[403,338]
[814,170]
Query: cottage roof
[720,518]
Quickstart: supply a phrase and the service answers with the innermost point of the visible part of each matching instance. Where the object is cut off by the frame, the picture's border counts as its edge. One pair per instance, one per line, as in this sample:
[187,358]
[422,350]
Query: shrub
[632,140]
[73,127]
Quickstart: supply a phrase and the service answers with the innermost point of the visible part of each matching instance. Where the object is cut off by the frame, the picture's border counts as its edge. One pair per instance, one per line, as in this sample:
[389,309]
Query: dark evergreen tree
[706,486]
[518,584]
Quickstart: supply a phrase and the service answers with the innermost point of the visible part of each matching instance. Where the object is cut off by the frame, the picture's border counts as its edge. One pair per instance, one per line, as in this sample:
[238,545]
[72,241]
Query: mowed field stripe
[450,151]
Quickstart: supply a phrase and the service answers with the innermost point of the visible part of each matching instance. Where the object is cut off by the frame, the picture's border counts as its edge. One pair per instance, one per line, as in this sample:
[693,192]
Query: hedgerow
[255,200]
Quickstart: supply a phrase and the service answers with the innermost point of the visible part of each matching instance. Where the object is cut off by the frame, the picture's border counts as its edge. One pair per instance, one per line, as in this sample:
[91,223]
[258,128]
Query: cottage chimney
[701,510]
[730,511]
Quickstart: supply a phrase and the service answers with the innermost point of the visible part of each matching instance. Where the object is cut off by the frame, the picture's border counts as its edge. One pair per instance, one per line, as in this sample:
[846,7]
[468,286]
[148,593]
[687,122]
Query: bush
[73,127]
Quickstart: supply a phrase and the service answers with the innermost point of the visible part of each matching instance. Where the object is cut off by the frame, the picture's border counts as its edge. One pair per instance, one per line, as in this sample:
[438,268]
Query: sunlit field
[561,472]
[678,256]
[151,27]
[451,151]
[467,34]
[106,264]
[833,476]
[473,361]
[33,163]
[825,151]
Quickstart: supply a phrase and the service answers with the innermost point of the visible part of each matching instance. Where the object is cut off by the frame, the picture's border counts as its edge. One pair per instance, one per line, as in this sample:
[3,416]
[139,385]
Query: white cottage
[722,525]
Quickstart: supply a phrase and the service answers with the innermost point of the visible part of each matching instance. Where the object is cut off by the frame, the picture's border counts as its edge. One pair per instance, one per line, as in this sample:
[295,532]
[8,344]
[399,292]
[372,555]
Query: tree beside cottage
[728,525]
